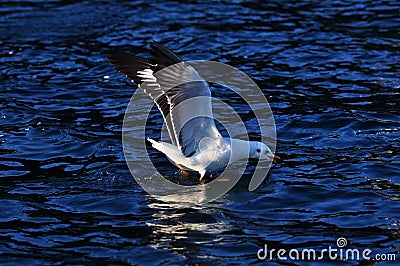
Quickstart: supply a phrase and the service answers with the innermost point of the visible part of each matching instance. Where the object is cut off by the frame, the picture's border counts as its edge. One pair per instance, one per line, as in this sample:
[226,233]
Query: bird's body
[184,99]
[211,158]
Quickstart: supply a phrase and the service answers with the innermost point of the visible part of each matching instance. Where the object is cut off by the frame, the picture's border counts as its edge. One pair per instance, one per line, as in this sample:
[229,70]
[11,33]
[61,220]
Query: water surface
[331,74]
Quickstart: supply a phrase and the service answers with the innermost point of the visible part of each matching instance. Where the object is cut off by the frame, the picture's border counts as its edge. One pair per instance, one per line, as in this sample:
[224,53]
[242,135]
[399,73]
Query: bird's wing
[181,94]
[139,71]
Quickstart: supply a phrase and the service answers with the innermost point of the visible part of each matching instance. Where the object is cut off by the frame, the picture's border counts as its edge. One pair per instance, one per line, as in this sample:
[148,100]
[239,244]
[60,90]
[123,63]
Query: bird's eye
[258,150]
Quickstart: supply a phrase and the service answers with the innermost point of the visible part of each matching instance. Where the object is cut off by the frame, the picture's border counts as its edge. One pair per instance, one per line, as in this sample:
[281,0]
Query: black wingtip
[129,65]
[162,55]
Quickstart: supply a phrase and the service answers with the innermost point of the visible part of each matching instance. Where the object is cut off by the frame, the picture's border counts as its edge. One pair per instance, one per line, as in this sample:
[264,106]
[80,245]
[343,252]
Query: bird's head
[259,150]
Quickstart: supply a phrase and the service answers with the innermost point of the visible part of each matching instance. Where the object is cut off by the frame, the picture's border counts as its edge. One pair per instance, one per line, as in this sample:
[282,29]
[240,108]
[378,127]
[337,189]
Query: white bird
[186,108]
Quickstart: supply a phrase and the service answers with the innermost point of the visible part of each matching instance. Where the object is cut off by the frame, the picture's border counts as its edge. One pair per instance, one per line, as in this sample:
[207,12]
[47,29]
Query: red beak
[275,159]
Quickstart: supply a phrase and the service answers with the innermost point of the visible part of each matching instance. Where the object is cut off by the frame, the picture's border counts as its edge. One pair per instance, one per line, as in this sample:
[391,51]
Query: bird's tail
[168,149]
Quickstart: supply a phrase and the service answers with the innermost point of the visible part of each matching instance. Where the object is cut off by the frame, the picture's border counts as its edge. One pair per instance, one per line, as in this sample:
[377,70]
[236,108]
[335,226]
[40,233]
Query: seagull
[196,144]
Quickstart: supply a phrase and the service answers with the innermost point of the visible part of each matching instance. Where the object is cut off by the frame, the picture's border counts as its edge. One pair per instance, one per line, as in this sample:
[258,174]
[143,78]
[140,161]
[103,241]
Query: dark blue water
[331,73]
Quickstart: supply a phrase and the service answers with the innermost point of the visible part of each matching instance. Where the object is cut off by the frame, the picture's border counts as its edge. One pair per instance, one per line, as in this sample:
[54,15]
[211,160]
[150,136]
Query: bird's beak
[275,158]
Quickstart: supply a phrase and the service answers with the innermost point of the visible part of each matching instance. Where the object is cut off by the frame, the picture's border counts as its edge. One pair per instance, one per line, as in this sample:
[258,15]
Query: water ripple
[329,70]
